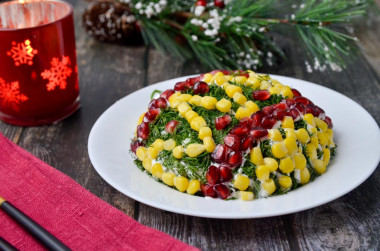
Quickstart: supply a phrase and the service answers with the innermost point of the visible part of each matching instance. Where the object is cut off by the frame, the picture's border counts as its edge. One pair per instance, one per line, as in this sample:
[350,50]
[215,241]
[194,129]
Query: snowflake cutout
[10,94]
[58,73]
[22,53]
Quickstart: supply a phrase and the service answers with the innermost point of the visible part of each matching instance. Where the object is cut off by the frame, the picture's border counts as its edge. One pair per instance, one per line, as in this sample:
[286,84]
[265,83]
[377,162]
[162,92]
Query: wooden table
[110,72]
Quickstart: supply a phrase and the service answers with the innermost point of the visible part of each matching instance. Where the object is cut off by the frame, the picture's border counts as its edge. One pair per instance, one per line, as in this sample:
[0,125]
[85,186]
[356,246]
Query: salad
[233,135]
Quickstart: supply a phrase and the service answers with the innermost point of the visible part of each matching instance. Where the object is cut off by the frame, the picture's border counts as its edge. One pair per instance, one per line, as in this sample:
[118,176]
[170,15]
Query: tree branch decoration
[231,33]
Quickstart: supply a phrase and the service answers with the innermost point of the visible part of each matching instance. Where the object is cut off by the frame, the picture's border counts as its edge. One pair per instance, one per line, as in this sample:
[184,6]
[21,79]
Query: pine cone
[111,22]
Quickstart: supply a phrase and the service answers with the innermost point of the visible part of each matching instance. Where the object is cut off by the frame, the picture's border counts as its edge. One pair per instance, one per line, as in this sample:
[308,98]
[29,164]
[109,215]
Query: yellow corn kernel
[242,112]
[291,145]
[168,178]
[152,152]
[225,86]
[288,122]
[223,105]
[254,81]
[286,165]
[239,98]
[220,80]
[264,85]
[193,150]
[285,181]
[185,97]
[311,151]
[207,77]
[178,152]
[240,79]
[256,156]
[175,102]
[299,161]
[275,134]
[141,118]
[246,195]
[209,144]
[277,84]
[330,132]
[241,182]
[309,118]
[141,153]
[262,172]
[190,115]
[251,73]
[269,186]
[319,165]
[326,156]
[279,150]
[232,89]
[174,96]
[287,92]
[229,77]
[194,186]
[158,144]
[183,108]
[197,123]
[208,102]
[205,132]
[321,124]
[271,163]
[157,170]
[314,141]
[169,144]
[195,100]
[251,106]
[290,133]
[147,164]
[302,135]
[274,90]
[181,183]
[323,138]
[219,73]
[313,130]
[305,176]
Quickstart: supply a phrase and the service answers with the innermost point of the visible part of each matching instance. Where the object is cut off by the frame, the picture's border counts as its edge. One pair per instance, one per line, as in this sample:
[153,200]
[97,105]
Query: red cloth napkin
[68,211]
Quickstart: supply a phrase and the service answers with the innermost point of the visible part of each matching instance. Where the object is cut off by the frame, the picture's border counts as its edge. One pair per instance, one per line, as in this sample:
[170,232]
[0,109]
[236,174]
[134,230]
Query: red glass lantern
[38,68]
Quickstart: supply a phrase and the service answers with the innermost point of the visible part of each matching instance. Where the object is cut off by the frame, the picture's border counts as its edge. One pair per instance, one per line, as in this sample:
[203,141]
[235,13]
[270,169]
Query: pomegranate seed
[182,86]
[166,94]
[257,117]
[309,109]
[222,191]
[152,104]
[278,114]
[135,144]
[267,110]
[212,175]
[294,113]
[302,100]
[232,141]
[290,102]
[246,122]
[219,3]
[194,80]
[300,107]
[208,190]
[328,122]
[246,143]
[258,132]
[268,122]
[215,72]
[151,115]
[171,125]
[201,88]
[225,173]
[318,111]
[280,106]
[239,130]
[201,3]
[143,130]
[220,154]
[261,95]
[222,122]
[296,93]
[157,103]
[235,158]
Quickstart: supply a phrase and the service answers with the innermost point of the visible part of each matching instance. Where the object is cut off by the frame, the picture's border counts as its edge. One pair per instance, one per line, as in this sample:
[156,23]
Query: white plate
[356,133]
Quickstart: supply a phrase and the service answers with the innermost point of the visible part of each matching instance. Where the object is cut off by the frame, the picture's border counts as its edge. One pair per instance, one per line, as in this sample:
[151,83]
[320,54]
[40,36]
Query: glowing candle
[38,68]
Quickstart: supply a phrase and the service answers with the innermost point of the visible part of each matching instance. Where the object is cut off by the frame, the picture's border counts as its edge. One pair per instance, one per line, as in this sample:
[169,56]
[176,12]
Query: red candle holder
[38,68]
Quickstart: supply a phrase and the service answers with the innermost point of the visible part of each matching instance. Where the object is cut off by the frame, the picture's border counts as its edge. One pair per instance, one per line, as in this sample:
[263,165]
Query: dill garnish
[300,124]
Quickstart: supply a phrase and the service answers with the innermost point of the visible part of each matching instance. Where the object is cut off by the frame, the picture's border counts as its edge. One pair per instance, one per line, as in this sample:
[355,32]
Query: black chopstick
[6,246]
[42,235]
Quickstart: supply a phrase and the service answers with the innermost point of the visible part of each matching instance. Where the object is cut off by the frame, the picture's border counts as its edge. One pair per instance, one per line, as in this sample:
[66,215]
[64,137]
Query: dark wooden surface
[110,72]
